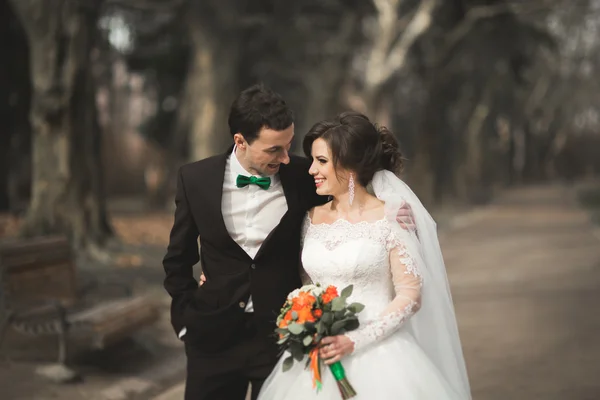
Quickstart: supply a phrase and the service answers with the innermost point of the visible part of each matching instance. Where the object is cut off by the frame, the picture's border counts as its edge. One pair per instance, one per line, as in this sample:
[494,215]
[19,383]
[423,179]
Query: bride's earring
[351,189]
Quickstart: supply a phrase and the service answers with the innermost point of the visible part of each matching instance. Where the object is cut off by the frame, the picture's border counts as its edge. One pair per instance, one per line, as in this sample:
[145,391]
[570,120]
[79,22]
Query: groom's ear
[239,140]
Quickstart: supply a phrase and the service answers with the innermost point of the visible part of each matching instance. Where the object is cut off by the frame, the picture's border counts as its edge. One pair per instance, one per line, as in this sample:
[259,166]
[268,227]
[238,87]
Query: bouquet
[308,315]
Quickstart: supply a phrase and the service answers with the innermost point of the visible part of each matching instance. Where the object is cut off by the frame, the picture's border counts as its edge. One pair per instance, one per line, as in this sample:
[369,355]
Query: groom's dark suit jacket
[213,313]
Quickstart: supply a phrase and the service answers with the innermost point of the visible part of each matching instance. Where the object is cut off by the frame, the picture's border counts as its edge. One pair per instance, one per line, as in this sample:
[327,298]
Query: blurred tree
[158,48]
[15,91]
[67,193]
[215,33]
[303,50]
[565,122]
[163,52]
[391,31]
[473,62]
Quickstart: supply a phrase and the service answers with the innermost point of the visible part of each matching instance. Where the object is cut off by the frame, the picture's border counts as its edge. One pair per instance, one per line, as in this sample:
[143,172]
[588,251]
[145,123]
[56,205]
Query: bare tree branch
[389,51]
[476,14]
[386,7]
[415,28]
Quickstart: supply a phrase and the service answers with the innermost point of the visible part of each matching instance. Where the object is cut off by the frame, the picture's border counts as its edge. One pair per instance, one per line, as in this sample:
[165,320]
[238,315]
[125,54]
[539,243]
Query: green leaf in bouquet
[339,315]
[307,340]
[294,315]
[297,351]
[282,341]
[338,304]
[347,291]
[310,327]
[327,318]
[288,363]
[295,329]
[356,307]
[339,327]
[320,327]
[351,324]
[281,331]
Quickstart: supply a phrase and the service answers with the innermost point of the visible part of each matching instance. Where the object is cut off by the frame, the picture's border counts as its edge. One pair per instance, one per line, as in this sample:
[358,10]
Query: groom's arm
[182,255]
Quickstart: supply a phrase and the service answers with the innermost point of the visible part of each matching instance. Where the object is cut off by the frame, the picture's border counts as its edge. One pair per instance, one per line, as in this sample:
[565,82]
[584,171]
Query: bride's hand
[333,348]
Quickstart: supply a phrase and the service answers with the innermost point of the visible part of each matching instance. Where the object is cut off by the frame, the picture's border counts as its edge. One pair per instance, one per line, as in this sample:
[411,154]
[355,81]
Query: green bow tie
[243,180]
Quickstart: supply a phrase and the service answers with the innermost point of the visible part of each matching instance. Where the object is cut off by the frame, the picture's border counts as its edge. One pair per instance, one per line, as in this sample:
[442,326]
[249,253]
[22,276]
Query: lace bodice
[374,257]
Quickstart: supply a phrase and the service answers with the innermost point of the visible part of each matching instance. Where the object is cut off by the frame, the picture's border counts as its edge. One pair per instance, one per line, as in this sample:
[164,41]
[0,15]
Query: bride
[407,345]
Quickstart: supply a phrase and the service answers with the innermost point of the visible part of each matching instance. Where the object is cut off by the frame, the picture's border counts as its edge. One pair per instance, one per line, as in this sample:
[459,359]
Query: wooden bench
[41,295]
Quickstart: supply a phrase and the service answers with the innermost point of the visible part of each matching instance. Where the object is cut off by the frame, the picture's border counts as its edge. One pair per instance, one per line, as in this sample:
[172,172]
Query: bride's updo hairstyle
[357,145]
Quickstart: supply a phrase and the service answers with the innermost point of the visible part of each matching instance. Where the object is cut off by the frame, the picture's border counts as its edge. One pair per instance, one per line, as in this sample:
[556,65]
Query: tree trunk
[389,49]
[373,98]
[426,172]
[15,153]
[323,87]
[67,191]
[211,86]
[475,186]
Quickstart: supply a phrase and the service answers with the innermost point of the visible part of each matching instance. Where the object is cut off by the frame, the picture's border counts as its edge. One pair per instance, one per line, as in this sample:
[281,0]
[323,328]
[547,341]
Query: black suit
[227,347]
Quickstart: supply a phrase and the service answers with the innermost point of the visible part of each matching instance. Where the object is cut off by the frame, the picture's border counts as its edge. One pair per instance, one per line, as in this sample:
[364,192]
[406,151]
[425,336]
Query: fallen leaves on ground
[149,229]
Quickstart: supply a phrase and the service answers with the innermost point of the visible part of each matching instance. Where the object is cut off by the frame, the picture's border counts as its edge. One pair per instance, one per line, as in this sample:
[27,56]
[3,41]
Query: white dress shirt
[250,213]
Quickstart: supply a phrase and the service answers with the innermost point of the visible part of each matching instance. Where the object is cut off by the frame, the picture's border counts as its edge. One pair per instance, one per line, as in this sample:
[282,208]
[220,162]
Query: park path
[525,277]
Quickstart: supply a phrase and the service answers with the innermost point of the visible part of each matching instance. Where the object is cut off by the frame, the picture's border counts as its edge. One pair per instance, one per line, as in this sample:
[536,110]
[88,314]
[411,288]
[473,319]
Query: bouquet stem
[345,387]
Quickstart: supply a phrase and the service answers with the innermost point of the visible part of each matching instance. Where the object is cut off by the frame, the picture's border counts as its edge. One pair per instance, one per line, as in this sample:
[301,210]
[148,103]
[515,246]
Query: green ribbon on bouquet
[346,389]
[338,371]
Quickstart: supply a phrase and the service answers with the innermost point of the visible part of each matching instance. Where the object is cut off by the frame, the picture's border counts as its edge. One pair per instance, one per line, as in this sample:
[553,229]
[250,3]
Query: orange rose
[305,315]
[330,294]
[317,313]
[303,300]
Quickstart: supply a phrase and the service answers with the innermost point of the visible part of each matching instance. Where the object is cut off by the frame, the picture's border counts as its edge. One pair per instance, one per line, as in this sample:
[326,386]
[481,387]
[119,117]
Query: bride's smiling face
[328,181]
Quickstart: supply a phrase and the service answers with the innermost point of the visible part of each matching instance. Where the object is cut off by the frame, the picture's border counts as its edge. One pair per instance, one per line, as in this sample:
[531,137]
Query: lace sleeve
[407,282]
[304,278]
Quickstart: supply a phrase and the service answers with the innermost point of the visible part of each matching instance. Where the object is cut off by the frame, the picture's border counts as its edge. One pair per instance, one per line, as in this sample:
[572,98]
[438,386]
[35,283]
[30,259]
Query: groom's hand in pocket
[334,348]
[202,280]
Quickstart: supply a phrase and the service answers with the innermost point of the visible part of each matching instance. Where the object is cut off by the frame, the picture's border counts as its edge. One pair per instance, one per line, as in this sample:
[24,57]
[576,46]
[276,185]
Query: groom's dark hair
[258,107]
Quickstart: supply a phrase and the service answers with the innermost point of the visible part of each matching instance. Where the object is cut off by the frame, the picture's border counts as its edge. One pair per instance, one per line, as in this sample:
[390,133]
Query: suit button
[242,304]
[253,266]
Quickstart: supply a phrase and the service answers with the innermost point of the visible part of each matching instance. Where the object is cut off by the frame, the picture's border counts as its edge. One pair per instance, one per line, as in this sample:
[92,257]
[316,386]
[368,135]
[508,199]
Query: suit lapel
[214,187]
[289,187]
[291,198]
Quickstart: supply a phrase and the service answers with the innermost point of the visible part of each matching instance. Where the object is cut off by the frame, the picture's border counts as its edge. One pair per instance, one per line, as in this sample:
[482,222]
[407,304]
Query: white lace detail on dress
[409,263]
[382,328]
[405,258]
[334,234]
[369,255]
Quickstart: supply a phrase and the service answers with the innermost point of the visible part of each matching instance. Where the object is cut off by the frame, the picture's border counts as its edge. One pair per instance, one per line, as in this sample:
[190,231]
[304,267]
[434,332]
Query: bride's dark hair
[357,145]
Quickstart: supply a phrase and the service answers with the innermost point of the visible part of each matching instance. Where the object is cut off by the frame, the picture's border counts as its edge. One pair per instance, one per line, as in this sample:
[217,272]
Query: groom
[246,207]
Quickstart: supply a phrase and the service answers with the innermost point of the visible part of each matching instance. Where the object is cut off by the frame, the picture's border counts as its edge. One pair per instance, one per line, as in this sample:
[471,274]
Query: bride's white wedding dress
[386,266]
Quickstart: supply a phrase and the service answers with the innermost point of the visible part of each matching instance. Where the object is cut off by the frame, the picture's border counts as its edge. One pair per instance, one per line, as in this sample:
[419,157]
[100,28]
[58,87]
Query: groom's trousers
[225,375]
